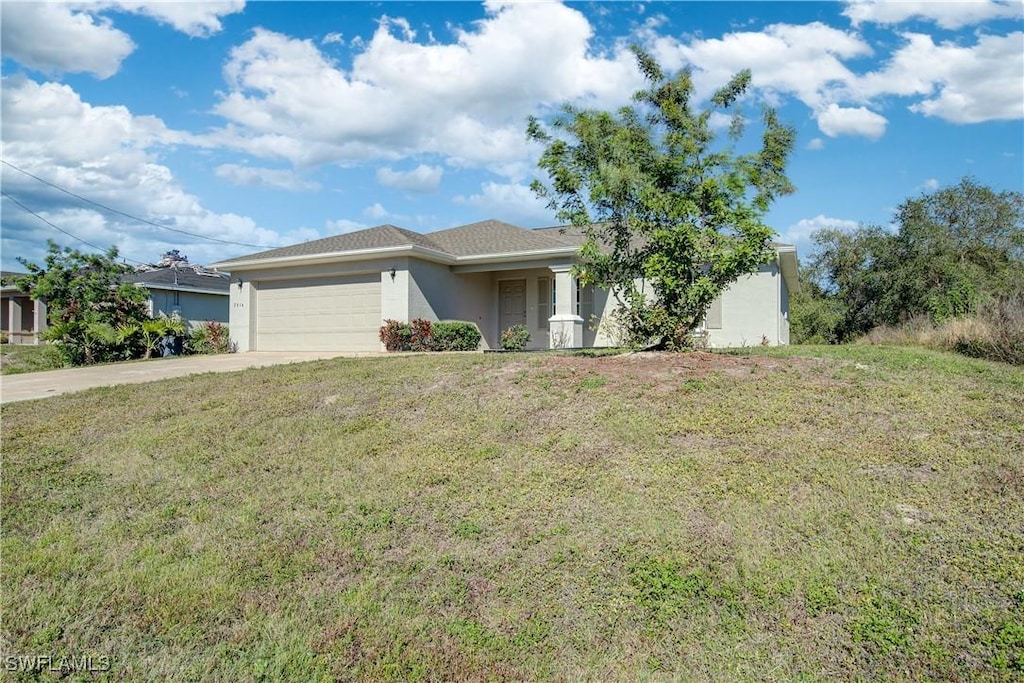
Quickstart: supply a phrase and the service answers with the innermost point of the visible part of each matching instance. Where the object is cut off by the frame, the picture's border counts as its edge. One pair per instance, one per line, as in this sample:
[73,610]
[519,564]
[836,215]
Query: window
[713,318]
[584,301]
[545,302]
[177,298]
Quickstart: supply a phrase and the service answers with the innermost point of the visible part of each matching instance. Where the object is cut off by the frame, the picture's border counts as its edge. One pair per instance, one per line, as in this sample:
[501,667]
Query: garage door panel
[322,314]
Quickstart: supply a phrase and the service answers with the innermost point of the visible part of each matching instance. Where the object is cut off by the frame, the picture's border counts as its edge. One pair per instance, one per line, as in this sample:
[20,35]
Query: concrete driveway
[32,385]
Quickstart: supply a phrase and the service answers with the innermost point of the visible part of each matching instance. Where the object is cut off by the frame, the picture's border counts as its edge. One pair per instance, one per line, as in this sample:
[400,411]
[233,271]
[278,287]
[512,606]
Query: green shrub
[456,336]
[423,335]
[515,338]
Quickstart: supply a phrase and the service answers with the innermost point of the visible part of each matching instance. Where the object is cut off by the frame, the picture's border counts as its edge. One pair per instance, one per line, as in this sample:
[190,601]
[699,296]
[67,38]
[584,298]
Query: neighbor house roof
[7,280]
[184,279]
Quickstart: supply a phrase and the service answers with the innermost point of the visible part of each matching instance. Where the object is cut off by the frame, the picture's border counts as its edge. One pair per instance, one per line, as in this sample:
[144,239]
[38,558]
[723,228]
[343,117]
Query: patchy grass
[803,513]
[18,358]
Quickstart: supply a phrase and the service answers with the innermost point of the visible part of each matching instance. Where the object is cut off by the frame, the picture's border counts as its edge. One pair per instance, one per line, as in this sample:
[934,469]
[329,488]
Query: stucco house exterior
[22,318]
[334,293]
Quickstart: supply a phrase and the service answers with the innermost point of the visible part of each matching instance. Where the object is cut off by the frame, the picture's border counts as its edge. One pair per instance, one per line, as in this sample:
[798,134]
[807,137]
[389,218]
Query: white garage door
[319,314]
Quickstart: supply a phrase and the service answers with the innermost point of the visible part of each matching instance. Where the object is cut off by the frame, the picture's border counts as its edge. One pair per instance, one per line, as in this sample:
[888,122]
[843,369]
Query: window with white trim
[584,301]
[545,302]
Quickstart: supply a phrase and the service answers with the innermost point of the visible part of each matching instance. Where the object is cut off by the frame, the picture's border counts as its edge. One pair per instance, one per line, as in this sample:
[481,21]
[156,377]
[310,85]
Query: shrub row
[424,335]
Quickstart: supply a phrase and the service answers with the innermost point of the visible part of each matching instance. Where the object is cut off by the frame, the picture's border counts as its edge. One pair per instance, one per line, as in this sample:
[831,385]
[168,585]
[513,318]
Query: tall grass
[994,332]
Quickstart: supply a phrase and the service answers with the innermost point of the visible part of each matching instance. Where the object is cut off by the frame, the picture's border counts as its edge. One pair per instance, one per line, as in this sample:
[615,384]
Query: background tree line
[954,253]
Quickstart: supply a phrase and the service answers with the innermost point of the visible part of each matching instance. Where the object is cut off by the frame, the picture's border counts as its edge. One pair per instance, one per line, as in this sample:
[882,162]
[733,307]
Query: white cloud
[251,176]
[80,38]
[75,41]
[421,179]
[377,211]
[801,231]
[108,155]
[961,84]
[510,202]
[815,144]
[196,19]
[947,14]
[333,38]
[805,61]
[930,184]
[835,121]
[343,225]
[465,101]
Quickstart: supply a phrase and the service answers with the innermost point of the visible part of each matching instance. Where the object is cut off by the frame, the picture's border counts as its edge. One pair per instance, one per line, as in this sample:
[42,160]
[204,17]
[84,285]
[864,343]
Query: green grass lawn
[803,513]
[18,358]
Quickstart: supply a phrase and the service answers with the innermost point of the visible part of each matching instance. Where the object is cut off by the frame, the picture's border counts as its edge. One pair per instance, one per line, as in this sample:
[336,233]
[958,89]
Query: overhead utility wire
[57,227]
[128,215]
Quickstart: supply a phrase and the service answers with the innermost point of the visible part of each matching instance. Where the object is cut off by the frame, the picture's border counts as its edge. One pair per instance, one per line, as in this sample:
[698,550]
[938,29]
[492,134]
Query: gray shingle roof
[180,277]
[380,237]
[485,237]
[492,237]
[476,239]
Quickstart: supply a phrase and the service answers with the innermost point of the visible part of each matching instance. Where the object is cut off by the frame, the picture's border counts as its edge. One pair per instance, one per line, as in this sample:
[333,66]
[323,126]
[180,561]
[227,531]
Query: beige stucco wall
[751,311]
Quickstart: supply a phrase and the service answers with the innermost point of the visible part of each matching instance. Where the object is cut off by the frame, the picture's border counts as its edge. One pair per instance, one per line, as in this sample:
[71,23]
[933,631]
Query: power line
[128,215]
[57,227]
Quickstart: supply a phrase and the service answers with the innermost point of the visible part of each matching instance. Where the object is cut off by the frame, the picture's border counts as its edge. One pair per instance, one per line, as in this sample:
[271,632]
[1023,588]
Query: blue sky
[270,123]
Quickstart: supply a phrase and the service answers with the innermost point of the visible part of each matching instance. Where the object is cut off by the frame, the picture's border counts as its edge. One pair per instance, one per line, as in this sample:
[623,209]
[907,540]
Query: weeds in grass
[450,517]
[995,332]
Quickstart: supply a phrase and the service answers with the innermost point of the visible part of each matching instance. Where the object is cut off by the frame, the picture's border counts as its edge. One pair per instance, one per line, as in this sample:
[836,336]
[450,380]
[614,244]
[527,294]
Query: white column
[565,327]
[38,319]
[240,300]
[14,321]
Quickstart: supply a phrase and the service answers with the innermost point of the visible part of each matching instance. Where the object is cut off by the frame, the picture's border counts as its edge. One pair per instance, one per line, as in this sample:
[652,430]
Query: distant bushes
[994,332]
[424,335]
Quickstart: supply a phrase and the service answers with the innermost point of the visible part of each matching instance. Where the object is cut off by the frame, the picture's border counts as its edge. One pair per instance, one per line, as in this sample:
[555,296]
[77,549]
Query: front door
[511,303]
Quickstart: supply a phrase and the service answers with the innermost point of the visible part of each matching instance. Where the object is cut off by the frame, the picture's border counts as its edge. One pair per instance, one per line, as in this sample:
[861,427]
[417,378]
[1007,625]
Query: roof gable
[380,237]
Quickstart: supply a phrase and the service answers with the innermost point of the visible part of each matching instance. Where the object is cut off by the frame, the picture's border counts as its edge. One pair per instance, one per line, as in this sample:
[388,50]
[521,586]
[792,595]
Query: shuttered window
[713,319]
[545,302]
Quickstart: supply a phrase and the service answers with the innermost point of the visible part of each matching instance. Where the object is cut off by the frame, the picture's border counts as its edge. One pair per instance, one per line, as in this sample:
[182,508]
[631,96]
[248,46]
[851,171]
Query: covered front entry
[319,314]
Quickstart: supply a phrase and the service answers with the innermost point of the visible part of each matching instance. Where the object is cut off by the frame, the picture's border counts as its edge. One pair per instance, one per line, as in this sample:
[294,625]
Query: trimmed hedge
[456,336]
[424,335]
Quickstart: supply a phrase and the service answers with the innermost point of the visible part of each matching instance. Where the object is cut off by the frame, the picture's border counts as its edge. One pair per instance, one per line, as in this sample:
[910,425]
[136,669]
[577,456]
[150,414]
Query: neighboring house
[194,293]
[333,294]
[22,318]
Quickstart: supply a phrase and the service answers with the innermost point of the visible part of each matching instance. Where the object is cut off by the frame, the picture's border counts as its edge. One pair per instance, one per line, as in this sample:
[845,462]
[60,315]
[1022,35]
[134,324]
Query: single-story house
[22,318]
[194,293]
[334,293]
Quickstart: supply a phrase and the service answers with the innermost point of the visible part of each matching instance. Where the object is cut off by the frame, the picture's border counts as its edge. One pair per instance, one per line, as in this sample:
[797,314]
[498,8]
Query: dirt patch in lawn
[653,368]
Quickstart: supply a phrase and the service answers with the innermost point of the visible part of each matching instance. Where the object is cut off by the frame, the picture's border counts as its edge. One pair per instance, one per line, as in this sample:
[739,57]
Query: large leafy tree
[91,311]
[672,212]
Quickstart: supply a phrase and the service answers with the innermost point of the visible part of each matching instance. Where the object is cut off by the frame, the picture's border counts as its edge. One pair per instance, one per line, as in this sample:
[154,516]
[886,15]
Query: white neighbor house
[333,294]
